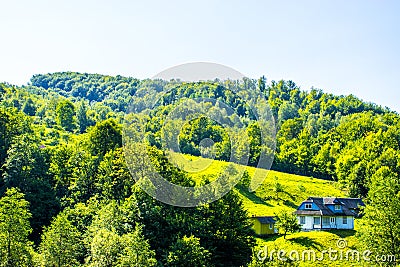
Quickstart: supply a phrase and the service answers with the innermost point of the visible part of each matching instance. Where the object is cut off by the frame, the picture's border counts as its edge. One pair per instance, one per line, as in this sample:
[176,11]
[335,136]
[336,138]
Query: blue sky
[342,47]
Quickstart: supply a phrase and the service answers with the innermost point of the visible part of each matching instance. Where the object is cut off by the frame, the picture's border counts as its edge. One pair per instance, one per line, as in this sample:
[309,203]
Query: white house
[328,213]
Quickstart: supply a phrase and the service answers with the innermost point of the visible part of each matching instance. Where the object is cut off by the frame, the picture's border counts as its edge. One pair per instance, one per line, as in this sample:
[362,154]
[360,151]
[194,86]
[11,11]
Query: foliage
[187,251]
[287,222]
[61,243]
[82,115]
[104,249]
[136,251]
[12,125]
[278,188]
[199,129]
[15,247]
[26,167]
[222,226]
[380,229]
[114,181]
[115,239]
[61,145]
[65,112]
[105,136]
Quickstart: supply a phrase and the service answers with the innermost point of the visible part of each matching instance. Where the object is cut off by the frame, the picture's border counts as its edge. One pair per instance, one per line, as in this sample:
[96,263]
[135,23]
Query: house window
[302,220]
[317,220]
[308,206]
[337,207]
[333,220]
[325,220]
[270,226]
[344,220]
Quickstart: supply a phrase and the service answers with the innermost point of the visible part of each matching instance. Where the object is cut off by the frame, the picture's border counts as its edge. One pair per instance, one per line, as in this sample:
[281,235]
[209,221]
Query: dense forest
[68,198]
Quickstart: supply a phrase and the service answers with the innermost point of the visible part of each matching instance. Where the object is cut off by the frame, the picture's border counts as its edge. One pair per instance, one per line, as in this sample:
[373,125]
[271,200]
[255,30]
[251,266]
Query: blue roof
[349,206]
[265,219]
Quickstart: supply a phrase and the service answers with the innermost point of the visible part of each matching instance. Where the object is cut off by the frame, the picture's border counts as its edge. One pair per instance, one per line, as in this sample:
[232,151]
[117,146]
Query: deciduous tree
[61,243]
[286,222]
[15,247]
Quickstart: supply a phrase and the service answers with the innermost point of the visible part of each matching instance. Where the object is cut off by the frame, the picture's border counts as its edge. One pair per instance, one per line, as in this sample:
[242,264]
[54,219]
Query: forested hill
[318,134]
[65,184]
[96,87]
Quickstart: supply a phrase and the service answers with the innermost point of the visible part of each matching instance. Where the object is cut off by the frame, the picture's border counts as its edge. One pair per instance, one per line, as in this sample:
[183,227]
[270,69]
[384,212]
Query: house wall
[266,230]
[256,226]
[349,225]
[309,223]
[262,229]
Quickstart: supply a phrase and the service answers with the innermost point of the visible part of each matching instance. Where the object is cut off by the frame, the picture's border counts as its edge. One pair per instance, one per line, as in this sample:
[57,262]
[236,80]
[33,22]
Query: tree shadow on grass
[252,196]
[306,242]
[291,196]
[290,204]
[343,233]
[272,237]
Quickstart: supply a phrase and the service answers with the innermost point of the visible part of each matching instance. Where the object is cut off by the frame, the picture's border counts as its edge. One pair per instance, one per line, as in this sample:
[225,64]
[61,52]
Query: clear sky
[341,46]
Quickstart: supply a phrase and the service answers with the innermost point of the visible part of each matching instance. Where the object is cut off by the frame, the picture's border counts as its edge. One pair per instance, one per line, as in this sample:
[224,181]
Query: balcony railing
[324,226]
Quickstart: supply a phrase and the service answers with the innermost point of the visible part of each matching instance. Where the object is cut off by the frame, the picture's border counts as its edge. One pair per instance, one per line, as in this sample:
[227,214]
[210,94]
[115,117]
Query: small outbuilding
[264,225]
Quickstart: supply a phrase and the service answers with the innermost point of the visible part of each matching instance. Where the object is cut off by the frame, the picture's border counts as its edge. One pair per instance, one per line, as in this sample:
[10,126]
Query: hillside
[62,158]
[264,201]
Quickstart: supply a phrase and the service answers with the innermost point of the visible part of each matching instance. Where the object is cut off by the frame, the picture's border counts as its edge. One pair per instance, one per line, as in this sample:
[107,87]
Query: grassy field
[266,202]
[342,241]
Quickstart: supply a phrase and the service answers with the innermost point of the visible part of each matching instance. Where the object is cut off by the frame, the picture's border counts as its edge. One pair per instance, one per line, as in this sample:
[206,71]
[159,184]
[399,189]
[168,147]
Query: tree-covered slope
[318,134]
[61,147]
